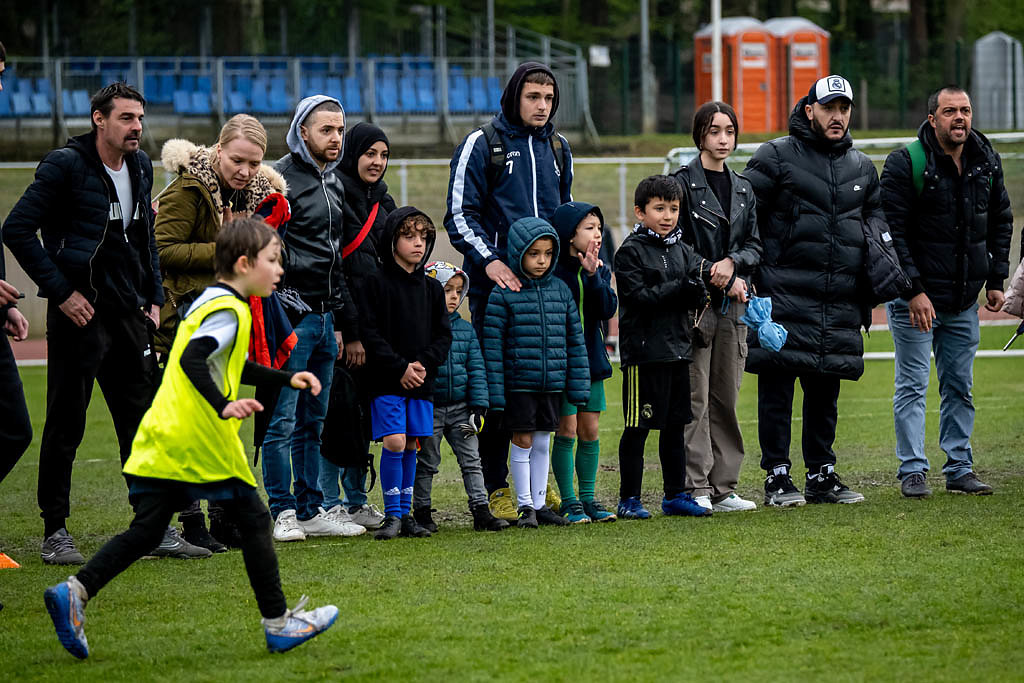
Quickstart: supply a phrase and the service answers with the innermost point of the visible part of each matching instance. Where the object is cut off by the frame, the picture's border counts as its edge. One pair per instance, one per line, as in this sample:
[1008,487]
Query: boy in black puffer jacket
[580,228]
[534,351]
[460,402]
[659,278]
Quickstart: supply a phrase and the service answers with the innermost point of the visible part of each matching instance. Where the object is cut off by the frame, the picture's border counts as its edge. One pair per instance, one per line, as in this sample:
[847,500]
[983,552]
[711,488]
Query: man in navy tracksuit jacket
[485,198]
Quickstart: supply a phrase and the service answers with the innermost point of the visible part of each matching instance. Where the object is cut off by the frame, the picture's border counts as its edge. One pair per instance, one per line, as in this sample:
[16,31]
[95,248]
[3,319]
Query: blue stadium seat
[280,103]
[81,101]
[200,103]
[458,94]
[204,84]
[332,88]
[167,87]
[315,85]
[425,93]
[407,89]
[187,82]
[235,103]
[353,99]
[478,94]
[5,104]
[150,88]
[260,99]
[21,104]
[23,86]
[494,90]
[243,84]
[43,86]
[387,92]
[182,102]
[68,103]
[41,104]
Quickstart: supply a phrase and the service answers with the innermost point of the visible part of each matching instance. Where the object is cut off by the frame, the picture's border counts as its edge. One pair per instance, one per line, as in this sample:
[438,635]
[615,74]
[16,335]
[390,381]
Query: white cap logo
[830,88]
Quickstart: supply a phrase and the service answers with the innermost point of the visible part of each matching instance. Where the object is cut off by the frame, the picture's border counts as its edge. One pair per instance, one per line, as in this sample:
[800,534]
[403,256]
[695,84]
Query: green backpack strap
[917,164]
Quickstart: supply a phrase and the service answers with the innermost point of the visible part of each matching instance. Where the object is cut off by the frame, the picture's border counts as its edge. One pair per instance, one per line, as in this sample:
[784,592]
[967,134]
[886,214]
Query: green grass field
[888,589]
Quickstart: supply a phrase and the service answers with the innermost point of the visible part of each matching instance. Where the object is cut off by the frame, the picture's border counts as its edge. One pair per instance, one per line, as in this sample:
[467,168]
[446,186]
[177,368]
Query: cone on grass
[7,563]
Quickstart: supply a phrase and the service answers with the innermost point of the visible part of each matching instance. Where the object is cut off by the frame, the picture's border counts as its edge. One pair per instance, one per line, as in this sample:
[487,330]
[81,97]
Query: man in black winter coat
[97,265]
[951,225]
[813,191]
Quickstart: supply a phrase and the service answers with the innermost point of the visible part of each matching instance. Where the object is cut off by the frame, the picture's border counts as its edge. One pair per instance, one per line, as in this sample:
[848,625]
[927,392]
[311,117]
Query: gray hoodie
[294,139]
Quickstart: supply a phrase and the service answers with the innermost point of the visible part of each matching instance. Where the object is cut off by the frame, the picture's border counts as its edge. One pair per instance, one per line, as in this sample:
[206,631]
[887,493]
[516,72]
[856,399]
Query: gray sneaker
[914,486]
[174,545]
[969,483]
[779,491]
[367,515]
[60,549]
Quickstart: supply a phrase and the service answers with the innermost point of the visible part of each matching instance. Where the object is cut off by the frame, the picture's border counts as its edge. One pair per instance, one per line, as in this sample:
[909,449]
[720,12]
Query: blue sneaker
[299,626]
[683,504]
[632,508]
[68,613]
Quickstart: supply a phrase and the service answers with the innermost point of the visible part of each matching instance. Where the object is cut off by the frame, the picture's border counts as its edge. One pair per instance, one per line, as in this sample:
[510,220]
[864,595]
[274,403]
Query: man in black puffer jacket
[97,265]
[951,224]
[813,193]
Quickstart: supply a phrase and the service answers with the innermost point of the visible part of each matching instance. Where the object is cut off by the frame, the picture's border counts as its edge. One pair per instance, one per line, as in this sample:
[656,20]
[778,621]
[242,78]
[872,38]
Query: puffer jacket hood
[565,220]
[358,139]
[442,271]
[514,88]
[389,237]
[523,233]
[294,138]
[800,127]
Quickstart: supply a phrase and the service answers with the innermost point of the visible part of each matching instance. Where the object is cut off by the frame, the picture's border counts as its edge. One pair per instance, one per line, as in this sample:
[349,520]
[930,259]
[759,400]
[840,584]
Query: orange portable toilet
[746,71]
[799,58]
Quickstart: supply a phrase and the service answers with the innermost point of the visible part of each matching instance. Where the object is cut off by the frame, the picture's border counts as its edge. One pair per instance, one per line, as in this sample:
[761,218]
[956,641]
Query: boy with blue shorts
[187,446]
[407,334]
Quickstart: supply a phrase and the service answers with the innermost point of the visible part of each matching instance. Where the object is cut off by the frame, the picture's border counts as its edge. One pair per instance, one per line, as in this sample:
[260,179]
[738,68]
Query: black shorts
[656,395]
[527,411]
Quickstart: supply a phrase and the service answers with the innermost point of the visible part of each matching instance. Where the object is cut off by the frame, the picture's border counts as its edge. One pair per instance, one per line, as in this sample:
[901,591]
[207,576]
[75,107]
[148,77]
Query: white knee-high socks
[529,469]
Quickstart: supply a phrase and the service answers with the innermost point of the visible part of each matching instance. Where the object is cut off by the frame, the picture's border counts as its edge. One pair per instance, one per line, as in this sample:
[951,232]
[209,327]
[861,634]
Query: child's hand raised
[589,260]
[306,380]
[412,378]
[242,408]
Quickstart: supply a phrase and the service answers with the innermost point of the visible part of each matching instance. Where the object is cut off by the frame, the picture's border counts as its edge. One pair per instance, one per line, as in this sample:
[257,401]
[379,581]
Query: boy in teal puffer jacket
[460,402]
[534,352]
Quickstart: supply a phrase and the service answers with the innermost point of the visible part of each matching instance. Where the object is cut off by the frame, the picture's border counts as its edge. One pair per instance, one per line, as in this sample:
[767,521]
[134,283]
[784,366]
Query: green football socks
[587,457]
[561,463]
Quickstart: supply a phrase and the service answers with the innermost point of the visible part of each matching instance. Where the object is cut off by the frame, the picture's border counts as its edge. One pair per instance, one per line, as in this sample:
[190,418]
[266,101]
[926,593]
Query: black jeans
[116,351]
[15,426]
[494,439]
[775,414]
[153,512]
[671,450]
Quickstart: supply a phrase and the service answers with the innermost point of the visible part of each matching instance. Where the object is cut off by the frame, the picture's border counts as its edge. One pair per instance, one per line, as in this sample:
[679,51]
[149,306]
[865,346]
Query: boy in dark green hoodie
[580,227]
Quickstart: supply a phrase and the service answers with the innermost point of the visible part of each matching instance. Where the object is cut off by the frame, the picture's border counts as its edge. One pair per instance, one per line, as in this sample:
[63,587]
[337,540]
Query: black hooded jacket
[954,238]
[359,201]
[404,318]
[813,195]
[83,249]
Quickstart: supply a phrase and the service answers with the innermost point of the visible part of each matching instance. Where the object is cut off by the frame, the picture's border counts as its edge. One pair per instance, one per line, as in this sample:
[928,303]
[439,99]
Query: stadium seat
[80,100]
[21,104]
[43,86]
[387,92]
[494,92]
[407,89]
[280,102]
[314,85]
[260,101]
[68,103]
[332,88]
[458,94]
[235,103]
[204,84]
[200,103]
[182,102]
[5,104]
[478,94]
[23,86]
[353,99]
[425,94]
[167,87]
[187,82]
[40,104]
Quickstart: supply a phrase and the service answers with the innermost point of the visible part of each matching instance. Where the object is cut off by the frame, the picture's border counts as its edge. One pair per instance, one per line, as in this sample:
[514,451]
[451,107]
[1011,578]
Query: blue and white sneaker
[683,504]
[632,508]
[67,610]
[299,626]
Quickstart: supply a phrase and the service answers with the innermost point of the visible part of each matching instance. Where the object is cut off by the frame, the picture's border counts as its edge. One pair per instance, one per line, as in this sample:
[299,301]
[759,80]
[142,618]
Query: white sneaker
[321,526]
[287,528]
[703,501]
[734,503]
[367,515]
[339,515]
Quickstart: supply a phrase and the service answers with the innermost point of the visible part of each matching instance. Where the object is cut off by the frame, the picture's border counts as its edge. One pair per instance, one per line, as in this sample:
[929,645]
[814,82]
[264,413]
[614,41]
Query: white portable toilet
[997,83]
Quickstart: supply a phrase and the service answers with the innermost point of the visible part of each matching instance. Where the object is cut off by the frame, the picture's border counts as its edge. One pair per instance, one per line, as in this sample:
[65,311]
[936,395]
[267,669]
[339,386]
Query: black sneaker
[825,487]
[225,532]
[173,545]
[388,529]
[548,517]
[779,491]
[969,483]
[59,548]
[483,520]
[411,528]
[195,533]
[914,486]
[527,518]
[422,516]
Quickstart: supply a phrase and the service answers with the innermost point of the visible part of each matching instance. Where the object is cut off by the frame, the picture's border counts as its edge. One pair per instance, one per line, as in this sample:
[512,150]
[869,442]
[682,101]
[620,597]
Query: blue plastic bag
[759,317]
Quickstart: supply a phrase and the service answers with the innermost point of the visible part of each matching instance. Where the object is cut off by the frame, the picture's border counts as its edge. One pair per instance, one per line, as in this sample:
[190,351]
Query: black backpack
[496,148]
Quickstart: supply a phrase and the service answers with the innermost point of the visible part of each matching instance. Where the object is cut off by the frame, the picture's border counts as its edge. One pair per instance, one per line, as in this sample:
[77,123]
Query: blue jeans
[954,337]
[353,481]
[292,444]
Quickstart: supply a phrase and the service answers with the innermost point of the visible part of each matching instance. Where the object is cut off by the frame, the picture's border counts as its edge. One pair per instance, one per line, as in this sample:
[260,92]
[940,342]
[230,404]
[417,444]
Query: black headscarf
[358,139]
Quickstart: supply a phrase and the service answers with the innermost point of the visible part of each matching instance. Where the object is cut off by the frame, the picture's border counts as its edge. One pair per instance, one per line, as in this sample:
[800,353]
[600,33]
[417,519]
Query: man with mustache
[313,250]
[814,192]
[97,265]
[951,225]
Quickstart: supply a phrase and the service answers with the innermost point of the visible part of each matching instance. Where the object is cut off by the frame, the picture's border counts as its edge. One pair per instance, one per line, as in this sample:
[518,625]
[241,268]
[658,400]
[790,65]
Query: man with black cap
[813,193]
[514,166]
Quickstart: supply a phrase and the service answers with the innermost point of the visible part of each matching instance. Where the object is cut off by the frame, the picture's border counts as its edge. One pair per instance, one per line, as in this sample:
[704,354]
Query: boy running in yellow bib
[187,446]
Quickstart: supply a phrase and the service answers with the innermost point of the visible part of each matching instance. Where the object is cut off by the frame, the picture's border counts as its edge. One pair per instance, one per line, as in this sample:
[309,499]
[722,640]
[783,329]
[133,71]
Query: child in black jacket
[407,334]
[659,279]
